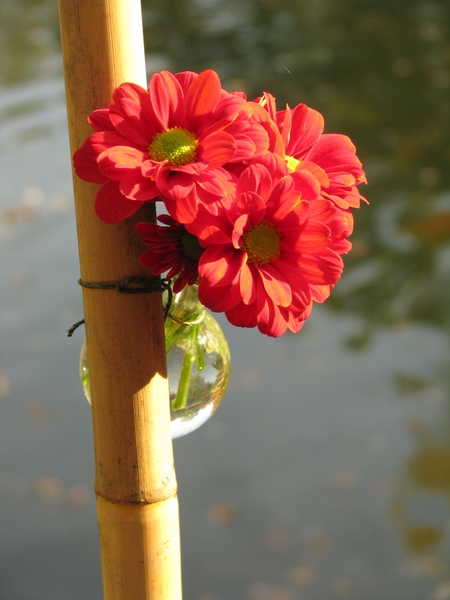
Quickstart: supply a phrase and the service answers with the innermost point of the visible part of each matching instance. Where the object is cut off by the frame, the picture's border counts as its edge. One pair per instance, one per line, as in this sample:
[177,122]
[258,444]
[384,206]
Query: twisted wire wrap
[141,285]
[146,285]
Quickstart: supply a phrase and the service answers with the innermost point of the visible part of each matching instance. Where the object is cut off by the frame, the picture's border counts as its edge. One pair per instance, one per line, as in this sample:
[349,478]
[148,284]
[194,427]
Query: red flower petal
[289,201]
[306,184]
[251,139]
[116,161]
[133,185]
[216,149]
[257,179]
[85,165]
[295,318]
[174,184]
[262,117]
[86,157]
[322,269]
[314,238]
[284,119]
[112,206]
[318,172]
[325,211]
[306,129]
[147,229]
[276,200]
[250,205]
[185,79]
[220,266]
[274,164]
[341,246]
[334,150]
[247,284]
[275,285]
[102,140]
[166,95]
[208,229]
[300,288]
[320,292]
[202,97]
[243,315]
[239,227]
[133,103]
[214,185]
[270,320]
[225,113]
[131,130]
[100,121]
[344,200]
[183,209]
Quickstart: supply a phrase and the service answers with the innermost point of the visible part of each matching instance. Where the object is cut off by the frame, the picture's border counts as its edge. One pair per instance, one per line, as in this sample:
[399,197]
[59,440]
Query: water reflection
[29,41]
[420,508]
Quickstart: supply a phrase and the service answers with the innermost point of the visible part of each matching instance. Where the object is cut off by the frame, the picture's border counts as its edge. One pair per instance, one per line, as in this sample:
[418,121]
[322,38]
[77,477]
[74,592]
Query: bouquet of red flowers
[258,200]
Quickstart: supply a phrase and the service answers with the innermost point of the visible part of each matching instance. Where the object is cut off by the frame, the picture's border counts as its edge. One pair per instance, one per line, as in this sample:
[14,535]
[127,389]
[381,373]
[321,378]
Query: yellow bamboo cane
[135,483]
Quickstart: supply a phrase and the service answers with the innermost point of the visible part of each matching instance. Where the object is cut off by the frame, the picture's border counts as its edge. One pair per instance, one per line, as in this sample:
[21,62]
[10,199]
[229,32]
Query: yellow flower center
[191,246]
[262,243]
[176,145]
[292,163]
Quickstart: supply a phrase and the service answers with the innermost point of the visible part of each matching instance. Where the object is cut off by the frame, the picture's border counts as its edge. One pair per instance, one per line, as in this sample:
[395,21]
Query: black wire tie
[141,285]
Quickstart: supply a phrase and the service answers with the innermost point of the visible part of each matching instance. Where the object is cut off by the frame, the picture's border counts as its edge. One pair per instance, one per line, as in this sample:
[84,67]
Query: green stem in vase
[199,354]
[185,379]
[172,331]
[182,328]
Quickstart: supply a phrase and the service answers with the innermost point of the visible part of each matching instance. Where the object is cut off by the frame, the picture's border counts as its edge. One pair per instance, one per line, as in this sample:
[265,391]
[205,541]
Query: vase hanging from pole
[198,362]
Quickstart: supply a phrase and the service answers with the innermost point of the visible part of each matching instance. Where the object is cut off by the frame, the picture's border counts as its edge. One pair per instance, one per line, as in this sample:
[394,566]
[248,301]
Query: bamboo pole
[135,484]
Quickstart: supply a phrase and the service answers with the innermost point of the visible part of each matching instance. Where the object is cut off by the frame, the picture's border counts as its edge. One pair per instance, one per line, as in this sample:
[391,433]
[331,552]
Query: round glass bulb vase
[198,362]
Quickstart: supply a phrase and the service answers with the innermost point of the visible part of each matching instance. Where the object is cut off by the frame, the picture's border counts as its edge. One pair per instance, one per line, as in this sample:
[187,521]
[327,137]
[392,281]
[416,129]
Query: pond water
[325,473]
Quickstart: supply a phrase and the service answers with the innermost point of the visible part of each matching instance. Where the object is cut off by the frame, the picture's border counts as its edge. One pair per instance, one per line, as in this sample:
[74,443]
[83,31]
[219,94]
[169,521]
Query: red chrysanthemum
[171,140]
[270,253]
[330,158]
[173,250]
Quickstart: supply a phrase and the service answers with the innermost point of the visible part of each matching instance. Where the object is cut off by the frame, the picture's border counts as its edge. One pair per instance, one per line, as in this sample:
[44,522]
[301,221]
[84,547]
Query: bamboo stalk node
[156,498]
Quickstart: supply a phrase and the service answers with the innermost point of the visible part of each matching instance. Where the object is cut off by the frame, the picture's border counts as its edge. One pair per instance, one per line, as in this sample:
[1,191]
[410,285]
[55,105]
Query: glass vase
[198,362]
